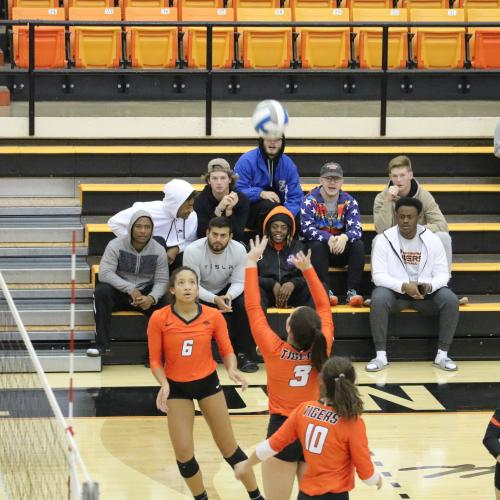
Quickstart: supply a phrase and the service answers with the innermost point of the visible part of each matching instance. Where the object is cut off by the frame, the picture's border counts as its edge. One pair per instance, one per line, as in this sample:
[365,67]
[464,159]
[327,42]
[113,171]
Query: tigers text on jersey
[291,378]
[333,447]
[186,346]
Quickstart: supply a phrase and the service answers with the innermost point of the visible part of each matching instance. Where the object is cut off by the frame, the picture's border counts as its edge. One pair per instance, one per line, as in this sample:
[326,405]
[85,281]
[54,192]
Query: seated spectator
[281,283]
[409,269]
[268,177]
[219,262]
[174,220]
[331,223]
[133,274]
[219,198]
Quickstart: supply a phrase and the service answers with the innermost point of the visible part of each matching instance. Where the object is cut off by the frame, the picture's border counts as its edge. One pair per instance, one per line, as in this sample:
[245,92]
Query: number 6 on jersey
[187,348]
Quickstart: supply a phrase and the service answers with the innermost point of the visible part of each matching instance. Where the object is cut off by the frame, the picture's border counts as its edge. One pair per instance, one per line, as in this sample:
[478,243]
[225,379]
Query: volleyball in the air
[270,119]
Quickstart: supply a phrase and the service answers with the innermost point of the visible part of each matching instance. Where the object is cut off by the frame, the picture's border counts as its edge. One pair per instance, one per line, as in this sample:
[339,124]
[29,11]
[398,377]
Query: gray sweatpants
[385,302]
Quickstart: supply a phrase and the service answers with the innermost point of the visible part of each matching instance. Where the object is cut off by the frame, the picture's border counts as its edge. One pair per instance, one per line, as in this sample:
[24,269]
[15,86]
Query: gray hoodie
[124,268]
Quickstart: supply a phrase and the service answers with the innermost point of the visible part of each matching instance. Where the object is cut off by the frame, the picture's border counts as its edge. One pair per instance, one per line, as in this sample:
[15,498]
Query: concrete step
[40,229]
[48,313]
[86,334]
[52,361]
[31,291]
[38,187]
[13,210]
[43,269]
[48,250]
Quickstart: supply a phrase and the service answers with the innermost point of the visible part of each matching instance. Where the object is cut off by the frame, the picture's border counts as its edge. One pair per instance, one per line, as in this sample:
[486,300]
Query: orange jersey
[291,378]
[186,346]
[333,447]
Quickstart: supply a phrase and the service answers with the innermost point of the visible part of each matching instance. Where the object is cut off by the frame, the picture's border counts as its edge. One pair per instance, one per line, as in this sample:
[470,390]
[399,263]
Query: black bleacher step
[116,198]
[478,319]
[188,158]
[477,240]
[407,349]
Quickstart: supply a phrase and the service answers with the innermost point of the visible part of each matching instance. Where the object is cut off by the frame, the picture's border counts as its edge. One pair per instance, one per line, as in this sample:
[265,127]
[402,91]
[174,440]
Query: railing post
[208,89]
[31,75]
[383,81]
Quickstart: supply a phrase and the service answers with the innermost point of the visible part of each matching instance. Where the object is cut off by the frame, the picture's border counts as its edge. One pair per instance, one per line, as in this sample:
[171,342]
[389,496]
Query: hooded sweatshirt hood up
[175,230]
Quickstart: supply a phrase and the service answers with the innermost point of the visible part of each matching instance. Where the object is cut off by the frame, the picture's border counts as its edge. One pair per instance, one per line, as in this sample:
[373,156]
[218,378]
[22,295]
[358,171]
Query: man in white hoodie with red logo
[410,270]
[175,222]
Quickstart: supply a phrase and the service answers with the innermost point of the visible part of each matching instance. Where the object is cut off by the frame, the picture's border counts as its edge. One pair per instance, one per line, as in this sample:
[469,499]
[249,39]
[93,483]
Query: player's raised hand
[257,248]
[301,260]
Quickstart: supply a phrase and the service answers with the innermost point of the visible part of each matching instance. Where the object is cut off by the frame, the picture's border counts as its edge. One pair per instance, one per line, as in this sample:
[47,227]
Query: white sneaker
[93,352]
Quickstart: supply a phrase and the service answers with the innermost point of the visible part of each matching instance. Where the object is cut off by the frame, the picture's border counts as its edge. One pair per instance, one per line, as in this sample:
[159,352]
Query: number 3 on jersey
[187,348]
[301,373]
[315,438]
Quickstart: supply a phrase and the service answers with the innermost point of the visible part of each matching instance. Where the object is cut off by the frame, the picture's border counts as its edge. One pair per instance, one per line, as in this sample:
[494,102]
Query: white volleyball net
[39,458]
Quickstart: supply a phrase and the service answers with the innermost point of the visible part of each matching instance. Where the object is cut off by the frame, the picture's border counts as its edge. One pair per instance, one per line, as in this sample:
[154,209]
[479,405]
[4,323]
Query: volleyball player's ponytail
[339,387]
[318,349]
[305,324]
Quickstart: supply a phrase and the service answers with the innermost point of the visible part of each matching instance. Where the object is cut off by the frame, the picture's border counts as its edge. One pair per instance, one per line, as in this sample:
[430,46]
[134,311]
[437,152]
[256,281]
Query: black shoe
[245,364]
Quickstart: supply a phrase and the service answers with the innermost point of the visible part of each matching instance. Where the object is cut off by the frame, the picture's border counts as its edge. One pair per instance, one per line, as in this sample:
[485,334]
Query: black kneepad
[238,456]
[188,469]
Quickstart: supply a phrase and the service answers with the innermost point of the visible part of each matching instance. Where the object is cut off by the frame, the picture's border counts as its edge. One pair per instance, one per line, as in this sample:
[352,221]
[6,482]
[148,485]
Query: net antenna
[39,457]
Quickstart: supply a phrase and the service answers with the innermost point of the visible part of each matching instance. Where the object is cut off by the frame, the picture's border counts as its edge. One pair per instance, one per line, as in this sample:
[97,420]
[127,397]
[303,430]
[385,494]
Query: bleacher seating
[439,48]
[368,43]
[148,46]
[50,49]
[195,47]
[322,47]
[265,48]
[485,42]
[96,46]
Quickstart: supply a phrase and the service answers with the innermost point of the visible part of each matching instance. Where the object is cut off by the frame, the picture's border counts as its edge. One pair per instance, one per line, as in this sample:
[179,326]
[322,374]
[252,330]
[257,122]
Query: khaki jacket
[384,215]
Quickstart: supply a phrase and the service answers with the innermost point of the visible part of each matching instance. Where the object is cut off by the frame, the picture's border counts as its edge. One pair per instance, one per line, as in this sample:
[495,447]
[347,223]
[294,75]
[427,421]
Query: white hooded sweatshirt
[176,231]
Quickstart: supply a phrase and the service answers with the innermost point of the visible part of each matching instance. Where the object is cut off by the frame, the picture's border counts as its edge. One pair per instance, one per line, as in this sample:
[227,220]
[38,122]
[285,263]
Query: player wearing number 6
[292,366]
[181,335]
[332,434]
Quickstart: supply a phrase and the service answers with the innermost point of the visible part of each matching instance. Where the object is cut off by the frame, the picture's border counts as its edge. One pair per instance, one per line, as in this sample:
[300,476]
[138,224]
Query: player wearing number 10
[332,434]
[181,335]
[292,366]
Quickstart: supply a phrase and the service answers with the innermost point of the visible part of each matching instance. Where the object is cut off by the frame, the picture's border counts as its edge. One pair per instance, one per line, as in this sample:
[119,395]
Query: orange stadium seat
[50,49]
[87,4]
[323,47]
[30,4]
[201,3]
[143,4]
[265,48]
[439,48]
[368,43]
[370,4]
[256,4]
[428,4]
[96,46]
[152,47]
[309,4]
[480,4]
[485,42]
[222,38]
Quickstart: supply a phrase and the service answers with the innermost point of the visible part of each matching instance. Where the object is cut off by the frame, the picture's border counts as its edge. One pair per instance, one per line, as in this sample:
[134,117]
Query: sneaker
[94,352]
[367,302]
[463,301]
[245,364]
[334,300]
[353,299]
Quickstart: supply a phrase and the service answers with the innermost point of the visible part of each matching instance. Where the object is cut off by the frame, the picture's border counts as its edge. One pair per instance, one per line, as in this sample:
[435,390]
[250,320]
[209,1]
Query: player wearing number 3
[292,366]
[332,434]
[181,335]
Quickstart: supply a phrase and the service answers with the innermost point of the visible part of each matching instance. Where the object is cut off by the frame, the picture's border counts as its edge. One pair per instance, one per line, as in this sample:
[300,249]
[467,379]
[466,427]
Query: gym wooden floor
[423,442]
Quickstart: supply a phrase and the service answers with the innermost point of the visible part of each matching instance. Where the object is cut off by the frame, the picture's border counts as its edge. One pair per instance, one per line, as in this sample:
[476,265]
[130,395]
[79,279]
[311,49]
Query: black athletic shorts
[497,477]
[195,389]
[293,452]
[326,496]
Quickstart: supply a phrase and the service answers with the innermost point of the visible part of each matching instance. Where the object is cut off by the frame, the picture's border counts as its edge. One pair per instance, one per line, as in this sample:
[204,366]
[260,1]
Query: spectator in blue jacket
[331,222]
[269,178]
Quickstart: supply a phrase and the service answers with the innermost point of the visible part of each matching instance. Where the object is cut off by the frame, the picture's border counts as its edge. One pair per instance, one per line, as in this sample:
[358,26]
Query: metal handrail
[210,25]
